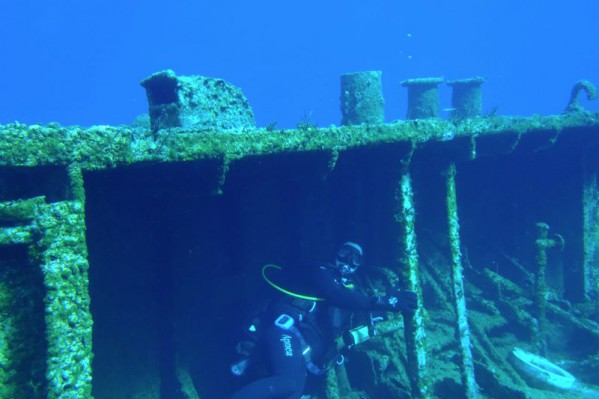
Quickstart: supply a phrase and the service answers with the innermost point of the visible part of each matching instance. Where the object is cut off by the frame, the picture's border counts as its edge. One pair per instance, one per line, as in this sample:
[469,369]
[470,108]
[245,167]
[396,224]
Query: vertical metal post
[543,243]
[457,277]
[62,254]
[76,190]
[591,237]
[415,334]
[541,287]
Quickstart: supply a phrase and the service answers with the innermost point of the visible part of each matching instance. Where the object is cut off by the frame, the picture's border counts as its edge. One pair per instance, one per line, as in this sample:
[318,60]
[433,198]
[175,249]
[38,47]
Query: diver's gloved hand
[398,301]
[245,348]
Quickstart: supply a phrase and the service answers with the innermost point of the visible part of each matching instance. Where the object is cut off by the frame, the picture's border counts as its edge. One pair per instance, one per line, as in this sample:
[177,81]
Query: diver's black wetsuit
[283,349]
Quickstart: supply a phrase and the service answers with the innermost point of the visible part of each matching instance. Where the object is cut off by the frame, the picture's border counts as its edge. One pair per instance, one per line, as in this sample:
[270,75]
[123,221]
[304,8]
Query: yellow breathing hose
[283,290]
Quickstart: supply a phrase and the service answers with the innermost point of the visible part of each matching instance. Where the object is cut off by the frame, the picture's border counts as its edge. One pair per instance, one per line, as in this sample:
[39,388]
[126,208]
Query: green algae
[62,254]
[102,147]
[195,101]
[35,145]
[20,209]
[16,235]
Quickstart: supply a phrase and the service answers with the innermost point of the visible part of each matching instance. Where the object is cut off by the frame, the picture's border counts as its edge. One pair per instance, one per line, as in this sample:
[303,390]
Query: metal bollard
[466,98]
[423,97]
[362,98]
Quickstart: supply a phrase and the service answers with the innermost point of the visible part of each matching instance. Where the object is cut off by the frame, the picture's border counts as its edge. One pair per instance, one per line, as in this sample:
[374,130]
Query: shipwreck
[129,254]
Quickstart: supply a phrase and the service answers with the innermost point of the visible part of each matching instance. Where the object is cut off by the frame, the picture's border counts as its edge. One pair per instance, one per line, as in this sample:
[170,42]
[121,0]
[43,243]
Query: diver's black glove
[398,301]
[245,348]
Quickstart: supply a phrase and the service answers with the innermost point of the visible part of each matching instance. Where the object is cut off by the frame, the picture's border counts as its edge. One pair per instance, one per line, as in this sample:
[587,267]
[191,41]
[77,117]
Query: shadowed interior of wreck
[172,263]
[175,268]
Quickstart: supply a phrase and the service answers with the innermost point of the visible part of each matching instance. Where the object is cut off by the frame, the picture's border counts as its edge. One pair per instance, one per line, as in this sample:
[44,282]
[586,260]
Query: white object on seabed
[545,374]
[542,372]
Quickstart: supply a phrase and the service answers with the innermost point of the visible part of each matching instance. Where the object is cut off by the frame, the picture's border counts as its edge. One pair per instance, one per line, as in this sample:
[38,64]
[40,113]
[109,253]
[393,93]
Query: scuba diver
[298,333]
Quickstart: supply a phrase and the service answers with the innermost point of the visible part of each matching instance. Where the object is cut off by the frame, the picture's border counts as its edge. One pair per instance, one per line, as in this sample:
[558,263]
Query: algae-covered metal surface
[130,255]
[101,147]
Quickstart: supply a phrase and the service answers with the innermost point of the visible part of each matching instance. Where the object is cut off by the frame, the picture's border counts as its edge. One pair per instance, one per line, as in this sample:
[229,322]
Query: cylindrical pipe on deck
[362,98]
[423,97]
[466,97]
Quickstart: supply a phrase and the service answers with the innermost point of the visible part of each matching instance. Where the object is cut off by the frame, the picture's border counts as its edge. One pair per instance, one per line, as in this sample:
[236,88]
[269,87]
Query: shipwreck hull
[130,257]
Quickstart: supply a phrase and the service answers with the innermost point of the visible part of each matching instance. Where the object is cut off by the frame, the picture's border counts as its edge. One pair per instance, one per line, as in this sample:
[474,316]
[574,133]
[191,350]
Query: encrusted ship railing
[101,147]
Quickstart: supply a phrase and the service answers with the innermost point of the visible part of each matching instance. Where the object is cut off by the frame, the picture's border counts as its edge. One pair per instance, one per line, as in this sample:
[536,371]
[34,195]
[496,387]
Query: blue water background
[80,62]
